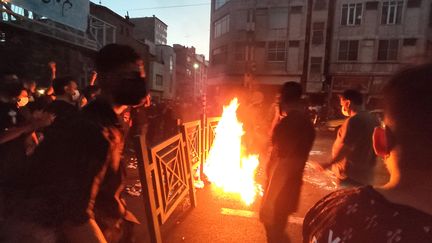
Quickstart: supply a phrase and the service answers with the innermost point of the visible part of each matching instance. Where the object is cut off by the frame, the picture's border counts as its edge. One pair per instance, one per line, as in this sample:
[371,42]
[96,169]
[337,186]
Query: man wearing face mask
[353,159]
[75,180]
[401,210]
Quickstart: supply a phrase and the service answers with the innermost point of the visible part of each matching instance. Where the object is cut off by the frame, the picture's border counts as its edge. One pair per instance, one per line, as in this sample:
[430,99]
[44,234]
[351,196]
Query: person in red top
[401,210]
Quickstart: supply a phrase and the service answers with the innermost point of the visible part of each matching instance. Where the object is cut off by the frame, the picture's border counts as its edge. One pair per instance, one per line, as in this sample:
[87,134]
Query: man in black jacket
[292,141]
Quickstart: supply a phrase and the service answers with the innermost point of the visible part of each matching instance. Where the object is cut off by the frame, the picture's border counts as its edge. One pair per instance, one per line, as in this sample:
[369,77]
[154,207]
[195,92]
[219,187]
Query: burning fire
[226,165]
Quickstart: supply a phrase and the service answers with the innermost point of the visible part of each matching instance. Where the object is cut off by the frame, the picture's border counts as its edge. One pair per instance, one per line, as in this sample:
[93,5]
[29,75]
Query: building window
[240,52]
[296,9]
[320,4]
[221,26]
[388,50]
[294,43]
[318,33]
[391,12]
[372,5]
[159,80]
[276,51]
[414,3]
[315,66]
[348,50]
[351,14]
[220,3]
[219,55]
[410,42]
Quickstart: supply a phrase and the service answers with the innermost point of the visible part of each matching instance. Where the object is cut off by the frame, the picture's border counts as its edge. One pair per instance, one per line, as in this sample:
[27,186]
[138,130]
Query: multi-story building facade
[256,42]
[320,43]
[161,67]
[191,72]
[30,41]
[166,80]
[123,30]
[150,28]
[373,39]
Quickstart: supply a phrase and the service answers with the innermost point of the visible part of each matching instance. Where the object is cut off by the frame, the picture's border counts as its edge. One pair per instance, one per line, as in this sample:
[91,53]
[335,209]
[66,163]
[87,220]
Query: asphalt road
[222,218]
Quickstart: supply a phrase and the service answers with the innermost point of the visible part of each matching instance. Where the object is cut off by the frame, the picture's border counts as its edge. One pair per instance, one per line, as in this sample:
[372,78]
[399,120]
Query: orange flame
[226,166]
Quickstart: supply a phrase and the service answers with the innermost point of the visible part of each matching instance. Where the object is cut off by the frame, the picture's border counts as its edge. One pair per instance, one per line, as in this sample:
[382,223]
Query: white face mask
[76,95]
[23,101]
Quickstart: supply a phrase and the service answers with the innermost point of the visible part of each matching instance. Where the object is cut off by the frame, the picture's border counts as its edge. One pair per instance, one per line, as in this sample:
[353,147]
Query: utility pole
[250,65]
[304,76]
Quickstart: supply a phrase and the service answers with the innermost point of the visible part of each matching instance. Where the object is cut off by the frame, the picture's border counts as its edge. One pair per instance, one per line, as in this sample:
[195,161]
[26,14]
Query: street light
[196,66]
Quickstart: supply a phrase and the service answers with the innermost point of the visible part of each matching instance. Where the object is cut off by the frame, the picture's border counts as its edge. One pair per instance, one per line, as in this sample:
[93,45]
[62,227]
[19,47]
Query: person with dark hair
[76,177]
[65,105]
[292,141]
[401,210]
[16,133]
[115,57]
[353,159]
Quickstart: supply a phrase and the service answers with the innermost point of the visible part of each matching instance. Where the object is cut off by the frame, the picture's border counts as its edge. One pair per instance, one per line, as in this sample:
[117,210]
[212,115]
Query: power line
[171,6]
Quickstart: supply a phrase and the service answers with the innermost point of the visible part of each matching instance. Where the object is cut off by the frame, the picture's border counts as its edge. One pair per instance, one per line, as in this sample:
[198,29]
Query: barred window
[320,4]
[316,64]
[276,51]
[318,33]
[294,43]
[296,9]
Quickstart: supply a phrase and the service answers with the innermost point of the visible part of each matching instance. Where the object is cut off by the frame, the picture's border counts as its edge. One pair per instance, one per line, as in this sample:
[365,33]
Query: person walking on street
[401,210]
[292,141]
[353,159]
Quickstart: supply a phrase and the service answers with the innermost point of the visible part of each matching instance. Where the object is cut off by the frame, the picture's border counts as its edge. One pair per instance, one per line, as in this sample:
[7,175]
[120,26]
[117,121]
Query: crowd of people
[62,170]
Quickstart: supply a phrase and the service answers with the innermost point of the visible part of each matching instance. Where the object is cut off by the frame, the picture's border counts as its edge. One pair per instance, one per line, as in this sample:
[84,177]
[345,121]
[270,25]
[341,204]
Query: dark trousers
[276,233]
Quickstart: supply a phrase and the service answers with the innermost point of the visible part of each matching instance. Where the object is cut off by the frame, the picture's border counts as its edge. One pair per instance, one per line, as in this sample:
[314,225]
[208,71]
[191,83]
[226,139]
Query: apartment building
[326,45]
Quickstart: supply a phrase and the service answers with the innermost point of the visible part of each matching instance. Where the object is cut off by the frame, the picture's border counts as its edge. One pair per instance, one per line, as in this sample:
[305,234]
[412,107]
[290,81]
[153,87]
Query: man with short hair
[292,141]
[65,105]
[353,159]
[401,210]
